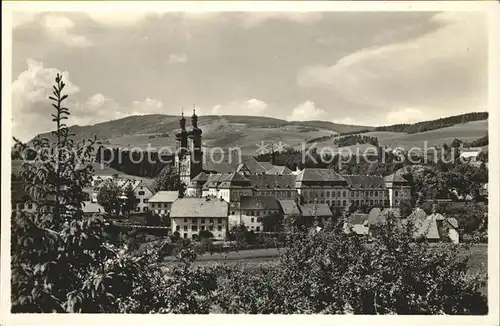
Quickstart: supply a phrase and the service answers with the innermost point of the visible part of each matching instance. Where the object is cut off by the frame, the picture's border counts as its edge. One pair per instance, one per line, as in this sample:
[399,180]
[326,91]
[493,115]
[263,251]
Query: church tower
[181,151]
[189,155]
[195,147]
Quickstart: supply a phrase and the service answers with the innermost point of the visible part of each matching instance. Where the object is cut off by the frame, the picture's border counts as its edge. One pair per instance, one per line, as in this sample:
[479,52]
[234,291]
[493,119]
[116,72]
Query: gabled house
[191,215]
[161,202]
[252,209]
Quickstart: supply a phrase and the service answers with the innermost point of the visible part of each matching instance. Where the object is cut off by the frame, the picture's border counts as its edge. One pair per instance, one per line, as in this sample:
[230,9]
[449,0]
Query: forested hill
[435,124]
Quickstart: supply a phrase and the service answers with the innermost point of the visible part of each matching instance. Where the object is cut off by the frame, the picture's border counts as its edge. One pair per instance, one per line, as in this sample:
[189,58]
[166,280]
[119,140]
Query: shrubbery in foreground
[63,262]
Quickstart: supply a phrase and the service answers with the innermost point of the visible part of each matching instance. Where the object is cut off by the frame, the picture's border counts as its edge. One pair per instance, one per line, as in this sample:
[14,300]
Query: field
[225,135]
[467,132]
[256,257]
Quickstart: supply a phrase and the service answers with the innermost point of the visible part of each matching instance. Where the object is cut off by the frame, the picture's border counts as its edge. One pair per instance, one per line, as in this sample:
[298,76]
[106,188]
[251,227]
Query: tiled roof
[235,180]
[164,197]
[280,170]
[312,210]
[418,215]
[272,181]
[227,163]
[267,165]
[395,177]
[314,175]
[364,181]
[259,202]
[289,207]
[199,207]
[215,179]
[453,222]
[201,177]
[378,215]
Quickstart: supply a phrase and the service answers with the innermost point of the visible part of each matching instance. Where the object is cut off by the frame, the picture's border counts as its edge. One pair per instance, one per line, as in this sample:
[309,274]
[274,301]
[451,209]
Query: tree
[109,195]
[272,223]
[131,199]
[406,208]
[205,234]
[337,273]
[60,258]
[168,179]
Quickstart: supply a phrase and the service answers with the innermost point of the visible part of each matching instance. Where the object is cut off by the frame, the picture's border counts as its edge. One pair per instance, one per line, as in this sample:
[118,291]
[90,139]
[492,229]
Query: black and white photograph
[250,158]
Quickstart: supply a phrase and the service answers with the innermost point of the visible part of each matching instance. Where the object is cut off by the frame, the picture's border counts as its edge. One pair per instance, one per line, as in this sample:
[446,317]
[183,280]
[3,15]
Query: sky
[365,68]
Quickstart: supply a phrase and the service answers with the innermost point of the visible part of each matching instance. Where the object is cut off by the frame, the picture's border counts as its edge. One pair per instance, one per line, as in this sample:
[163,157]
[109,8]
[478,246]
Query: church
[230,178]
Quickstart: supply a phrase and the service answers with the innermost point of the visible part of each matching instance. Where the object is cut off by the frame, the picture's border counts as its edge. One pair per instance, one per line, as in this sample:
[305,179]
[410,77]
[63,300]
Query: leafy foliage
[333,272]
[169,180]
[109,197]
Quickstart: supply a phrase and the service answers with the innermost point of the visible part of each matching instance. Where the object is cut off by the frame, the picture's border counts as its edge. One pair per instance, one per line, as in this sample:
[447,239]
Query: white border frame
[492,7]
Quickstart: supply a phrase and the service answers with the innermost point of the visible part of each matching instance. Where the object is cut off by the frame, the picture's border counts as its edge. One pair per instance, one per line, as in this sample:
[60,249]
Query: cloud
[248,107]
[444,69]
[31,105]
[117,19]
[177,58]
[306,111]
[20,18]
[59,27]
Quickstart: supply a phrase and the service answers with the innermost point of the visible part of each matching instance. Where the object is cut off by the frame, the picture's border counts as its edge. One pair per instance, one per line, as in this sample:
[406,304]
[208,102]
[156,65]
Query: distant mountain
[157,130]
[225,130]
[435,124]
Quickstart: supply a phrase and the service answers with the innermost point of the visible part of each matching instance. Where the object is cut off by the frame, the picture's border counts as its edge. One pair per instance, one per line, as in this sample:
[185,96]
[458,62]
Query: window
[194,228]
[220,221]
[177,227]
[344,203]
[257,213]
[328,202]
[321,194]
[202,227]
[339,203]
[185,220]
[257,228]
[185,235]
[338,193]
[252,213]
[344,194]
[371,193]
[252,220]
[145,201]
[232,213]
[211,227]
[30,206]
[211,221]
[185,227]
[145,209]
[333,202]
[137,209]
[371,202]
[141,193]
[219,228]
[352,193]
[202,221]
[322,202]
[193,220]
[21,206]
